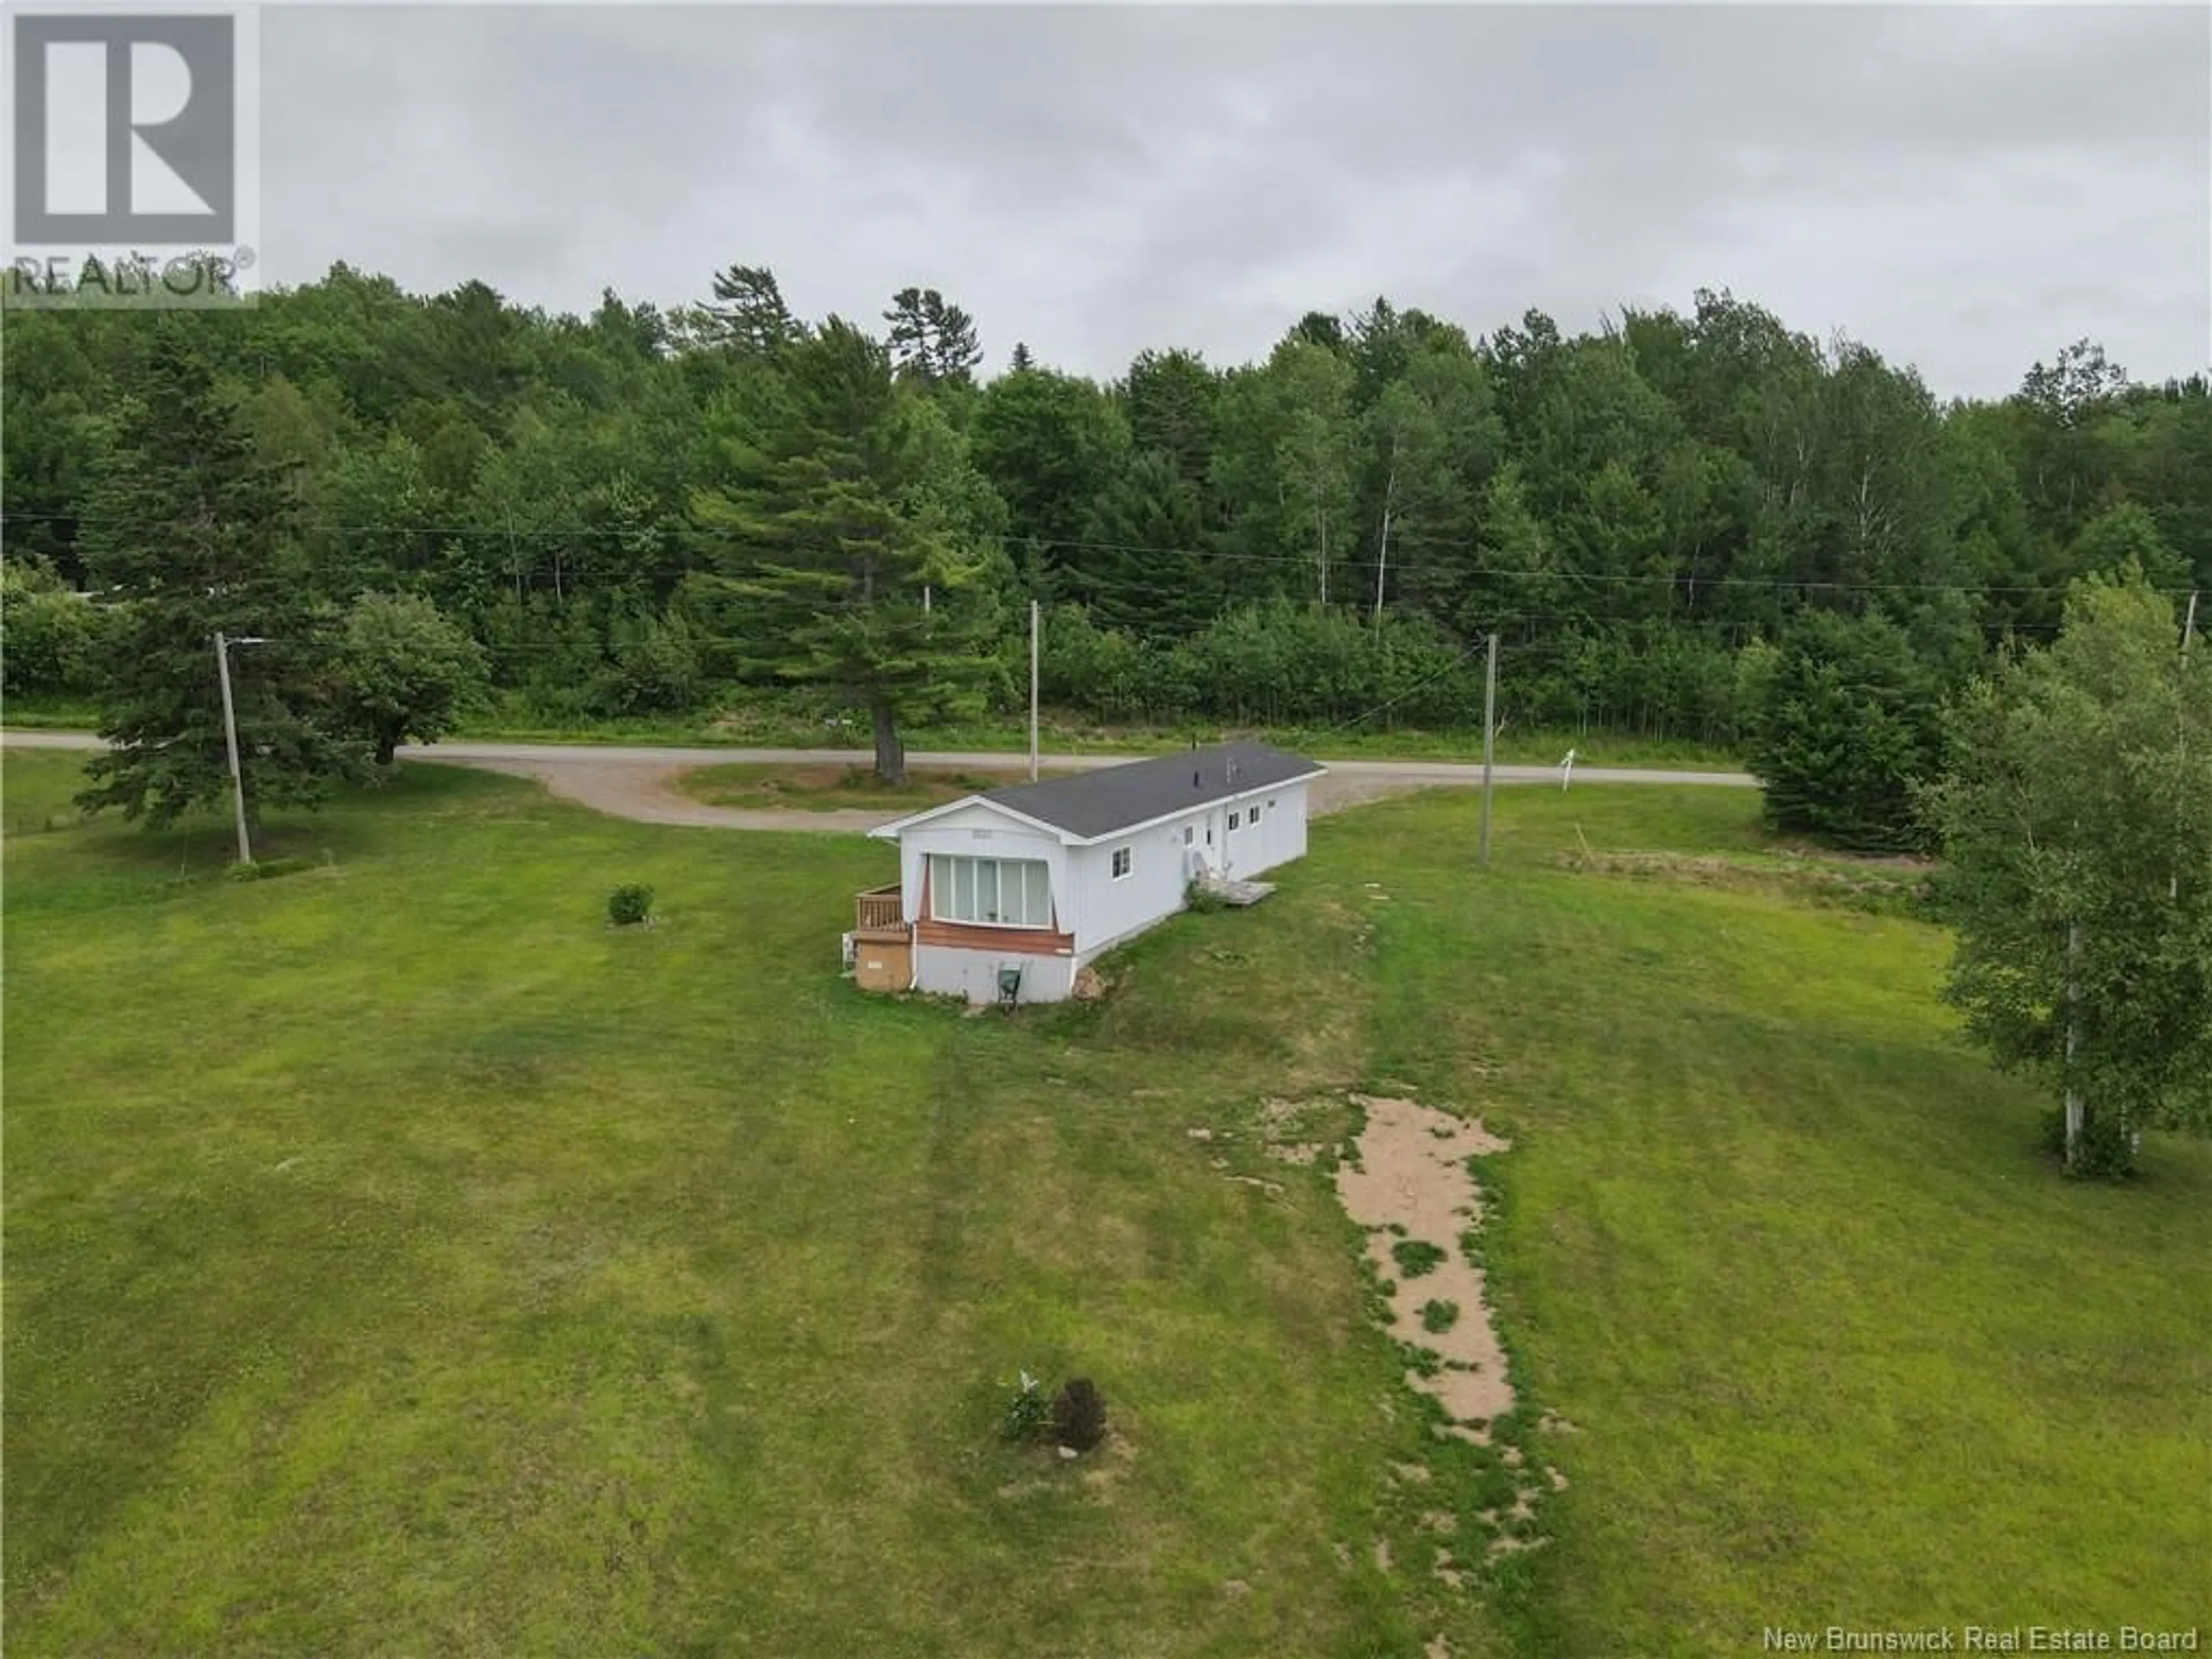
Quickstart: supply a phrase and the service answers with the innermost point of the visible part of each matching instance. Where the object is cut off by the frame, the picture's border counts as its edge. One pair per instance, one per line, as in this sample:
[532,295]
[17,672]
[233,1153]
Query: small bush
[1416,1256]
[630,904]
[1204,900]
[2108,1150]
[1079,1415]
[1422,1362]
[1438,1317]
[1028,1412]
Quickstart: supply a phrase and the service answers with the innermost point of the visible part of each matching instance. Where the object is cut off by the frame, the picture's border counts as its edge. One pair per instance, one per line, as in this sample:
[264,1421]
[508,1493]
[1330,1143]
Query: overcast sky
[1965,188]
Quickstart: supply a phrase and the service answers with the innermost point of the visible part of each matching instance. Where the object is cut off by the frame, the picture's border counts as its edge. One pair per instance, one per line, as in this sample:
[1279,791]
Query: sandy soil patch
[1413,1175]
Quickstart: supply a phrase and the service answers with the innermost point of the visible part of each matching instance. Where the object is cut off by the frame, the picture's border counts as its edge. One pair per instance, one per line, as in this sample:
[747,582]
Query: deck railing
[879,910]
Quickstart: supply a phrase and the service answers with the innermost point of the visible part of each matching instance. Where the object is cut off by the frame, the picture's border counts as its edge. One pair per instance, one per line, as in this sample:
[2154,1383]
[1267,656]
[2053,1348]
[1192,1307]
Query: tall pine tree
[187,535]
[835,515]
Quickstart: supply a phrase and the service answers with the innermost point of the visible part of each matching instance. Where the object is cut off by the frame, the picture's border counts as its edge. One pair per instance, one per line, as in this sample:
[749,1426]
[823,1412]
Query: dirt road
[640,783]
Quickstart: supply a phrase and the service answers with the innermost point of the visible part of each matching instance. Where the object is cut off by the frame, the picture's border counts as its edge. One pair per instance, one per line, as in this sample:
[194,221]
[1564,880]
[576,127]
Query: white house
[1036,879]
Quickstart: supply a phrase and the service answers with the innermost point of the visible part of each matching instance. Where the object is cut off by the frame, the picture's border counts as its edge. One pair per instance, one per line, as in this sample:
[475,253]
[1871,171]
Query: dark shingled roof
[1112,798]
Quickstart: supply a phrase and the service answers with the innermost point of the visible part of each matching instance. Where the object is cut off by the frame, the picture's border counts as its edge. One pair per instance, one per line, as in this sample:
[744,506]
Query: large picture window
[992,892]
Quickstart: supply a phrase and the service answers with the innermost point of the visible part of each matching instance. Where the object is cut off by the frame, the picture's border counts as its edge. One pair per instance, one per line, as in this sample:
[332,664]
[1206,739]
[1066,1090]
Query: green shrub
[630,904]
[1028,1412]
[1416,1256]
[54,637]
[1202,900]
[2108,1147]
[1438,1317]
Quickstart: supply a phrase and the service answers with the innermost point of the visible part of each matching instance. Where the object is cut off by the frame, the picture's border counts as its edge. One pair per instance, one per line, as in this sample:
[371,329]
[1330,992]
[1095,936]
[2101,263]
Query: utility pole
[2181,743]
[1383,554]
[2073,1113]
[1489,730]
[1033,690]
[230,741]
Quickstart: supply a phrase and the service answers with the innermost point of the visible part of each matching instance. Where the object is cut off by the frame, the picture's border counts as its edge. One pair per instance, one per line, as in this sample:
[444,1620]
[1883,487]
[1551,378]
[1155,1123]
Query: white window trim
[936,894]
[1120,864]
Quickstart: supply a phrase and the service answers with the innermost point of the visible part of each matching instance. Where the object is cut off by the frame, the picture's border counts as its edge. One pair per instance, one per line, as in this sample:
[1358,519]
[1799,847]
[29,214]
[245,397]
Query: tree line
[641,513]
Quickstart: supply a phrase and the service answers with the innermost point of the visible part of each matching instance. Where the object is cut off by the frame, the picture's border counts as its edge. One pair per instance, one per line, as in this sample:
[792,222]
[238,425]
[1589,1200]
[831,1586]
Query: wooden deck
[879,912]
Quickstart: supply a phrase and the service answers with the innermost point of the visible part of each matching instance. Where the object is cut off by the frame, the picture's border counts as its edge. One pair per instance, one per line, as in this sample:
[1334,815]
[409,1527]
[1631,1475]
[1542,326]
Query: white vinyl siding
[993,892]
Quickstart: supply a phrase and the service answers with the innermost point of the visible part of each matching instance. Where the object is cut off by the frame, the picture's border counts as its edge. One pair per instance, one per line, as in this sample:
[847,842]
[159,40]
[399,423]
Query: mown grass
[763,784]
[401,1259]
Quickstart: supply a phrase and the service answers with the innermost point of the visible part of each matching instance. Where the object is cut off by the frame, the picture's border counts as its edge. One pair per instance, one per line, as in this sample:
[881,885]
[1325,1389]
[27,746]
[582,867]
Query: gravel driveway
[640,783]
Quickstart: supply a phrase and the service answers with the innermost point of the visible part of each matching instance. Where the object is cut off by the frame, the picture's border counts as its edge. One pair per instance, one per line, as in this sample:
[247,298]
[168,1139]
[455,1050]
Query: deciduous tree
[405,671]
[2075,818]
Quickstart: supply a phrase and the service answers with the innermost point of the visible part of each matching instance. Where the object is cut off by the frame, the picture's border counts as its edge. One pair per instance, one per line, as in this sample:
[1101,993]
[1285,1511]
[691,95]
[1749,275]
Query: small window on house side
[1189,833]
[1120,862]
[1253,817]
[1232,820]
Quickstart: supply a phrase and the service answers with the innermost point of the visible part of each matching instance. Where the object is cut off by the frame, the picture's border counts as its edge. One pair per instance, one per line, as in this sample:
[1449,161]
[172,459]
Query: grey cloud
[1098,180]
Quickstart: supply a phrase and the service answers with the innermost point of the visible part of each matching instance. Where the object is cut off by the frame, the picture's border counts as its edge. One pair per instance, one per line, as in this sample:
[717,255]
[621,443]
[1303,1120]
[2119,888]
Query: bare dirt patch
[1412,1185]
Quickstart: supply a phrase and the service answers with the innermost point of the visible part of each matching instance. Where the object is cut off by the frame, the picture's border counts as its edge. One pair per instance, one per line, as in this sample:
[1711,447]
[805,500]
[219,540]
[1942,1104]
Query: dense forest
[642,513]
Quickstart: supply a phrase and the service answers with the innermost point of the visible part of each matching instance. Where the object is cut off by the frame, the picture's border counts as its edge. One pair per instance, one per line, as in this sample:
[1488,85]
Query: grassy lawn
[400,1259]
[828,788]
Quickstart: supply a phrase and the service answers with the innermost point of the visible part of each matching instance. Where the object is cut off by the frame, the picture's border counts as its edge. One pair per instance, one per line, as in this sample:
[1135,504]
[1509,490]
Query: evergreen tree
[1842,726]
[932,342]
[833,505]
[186,536]
[1148,572]
[749,316]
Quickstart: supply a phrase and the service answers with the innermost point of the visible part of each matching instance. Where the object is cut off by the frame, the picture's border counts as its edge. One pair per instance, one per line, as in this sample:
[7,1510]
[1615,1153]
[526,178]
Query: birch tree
[2076,821]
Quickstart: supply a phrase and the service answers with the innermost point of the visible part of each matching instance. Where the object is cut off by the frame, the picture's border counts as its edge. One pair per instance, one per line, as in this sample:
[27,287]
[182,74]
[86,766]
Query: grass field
[400,1259]
[830,788]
